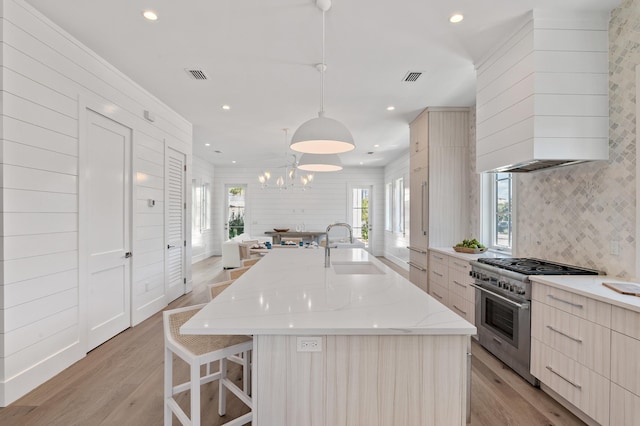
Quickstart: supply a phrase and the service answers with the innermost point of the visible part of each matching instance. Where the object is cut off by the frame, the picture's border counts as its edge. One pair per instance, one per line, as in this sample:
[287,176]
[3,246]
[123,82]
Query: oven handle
[518,305]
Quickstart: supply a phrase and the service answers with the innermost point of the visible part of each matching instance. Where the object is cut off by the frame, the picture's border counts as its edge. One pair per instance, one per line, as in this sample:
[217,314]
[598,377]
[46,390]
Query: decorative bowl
[281,229]
[469,250]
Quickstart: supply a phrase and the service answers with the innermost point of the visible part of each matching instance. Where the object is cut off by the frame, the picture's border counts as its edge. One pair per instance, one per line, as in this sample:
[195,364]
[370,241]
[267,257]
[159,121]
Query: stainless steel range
[503,306]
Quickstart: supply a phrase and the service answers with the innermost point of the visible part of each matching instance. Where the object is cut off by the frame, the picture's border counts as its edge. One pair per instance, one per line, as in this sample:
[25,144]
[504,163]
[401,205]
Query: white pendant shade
[320,163]
[322,135]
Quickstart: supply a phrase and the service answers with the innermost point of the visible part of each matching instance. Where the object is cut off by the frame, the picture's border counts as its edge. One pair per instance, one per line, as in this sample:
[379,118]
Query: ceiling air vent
[412,76]
[196,74]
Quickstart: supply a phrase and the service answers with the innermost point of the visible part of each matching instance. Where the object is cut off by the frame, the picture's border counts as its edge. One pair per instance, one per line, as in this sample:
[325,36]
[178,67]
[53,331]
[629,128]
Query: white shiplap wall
[395,244]
[202,241]
[47,76]
[324,203]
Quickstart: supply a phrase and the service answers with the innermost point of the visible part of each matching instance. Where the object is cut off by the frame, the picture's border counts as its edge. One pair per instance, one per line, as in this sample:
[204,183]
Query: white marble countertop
[290,292]
[591,286]
[449,251]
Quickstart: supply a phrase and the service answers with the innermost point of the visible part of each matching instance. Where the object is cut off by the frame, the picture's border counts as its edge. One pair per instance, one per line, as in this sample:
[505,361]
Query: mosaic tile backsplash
[574,214]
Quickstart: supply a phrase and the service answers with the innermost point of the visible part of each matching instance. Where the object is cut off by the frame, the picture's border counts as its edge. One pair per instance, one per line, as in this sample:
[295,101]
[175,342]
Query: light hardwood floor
[120,382]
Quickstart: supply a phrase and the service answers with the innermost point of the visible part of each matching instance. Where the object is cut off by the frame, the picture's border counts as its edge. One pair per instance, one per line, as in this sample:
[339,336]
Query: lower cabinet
[449,283]
[586,351]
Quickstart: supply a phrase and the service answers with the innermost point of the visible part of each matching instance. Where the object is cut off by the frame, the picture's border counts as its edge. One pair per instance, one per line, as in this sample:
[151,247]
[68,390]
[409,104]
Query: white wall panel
[33,135]
[18,154]
[39,223]
[22,292]
[202,240]
[16,200]
[45,72]
[21,246]
[16,177]
[33,267]
[324,203]
[395,244]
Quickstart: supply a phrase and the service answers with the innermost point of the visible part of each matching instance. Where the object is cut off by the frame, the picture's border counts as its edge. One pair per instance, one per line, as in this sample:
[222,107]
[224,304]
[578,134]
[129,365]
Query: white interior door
[175,214]
[109,228]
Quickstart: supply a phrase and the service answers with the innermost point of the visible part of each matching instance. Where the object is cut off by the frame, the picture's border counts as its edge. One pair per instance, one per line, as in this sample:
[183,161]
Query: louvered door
[175,273]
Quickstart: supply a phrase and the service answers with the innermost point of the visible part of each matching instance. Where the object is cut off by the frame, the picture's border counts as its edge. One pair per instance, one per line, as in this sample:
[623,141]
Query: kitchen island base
[367,380]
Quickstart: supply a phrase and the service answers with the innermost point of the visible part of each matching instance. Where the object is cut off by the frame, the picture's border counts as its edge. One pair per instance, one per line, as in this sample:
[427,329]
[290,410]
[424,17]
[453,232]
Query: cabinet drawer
[459,264]
[625,321]
[438,273]
[625,407]
[625,368]
[459,283]
[462,307]
[584,307]
[579,339]
[579,385]
[440,293]
[439,258]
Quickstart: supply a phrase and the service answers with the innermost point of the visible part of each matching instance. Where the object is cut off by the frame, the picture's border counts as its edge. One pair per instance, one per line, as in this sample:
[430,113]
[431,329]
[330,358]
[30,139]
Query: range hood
[542,97]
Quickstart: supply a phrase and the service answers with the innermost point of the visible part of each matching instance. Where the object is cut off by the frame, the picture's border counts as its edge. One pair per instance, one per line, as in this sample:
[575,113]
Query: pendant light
[322,135]
[320,163]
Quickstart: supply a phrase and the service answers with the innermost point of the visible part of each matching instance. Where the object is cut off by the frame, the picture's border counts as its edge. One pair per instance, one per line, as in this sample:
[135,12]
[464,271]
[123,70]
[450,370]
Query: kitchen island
[354,343]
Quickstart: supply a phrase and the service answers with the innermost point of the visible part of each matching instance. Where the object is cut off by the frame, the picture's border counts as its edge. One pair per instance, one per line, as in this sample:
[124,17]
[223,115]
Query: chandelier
[288,176]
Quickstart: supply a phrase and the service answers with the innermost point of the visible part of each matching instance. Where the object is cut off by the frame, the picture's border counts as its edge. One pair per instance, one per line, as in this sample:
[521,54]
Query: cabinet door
[418,269]
[419,217]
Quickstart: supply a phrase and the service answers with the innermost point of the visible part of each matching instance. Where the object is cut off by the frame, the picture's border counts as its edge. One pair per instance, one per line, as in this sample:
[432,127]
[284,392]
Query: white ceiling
[260,58]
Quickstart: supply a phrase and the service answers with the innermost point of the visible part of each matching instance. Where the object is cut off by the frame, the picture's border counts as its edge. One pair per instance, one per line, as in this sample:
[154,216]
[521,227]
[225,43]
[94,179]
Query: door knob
[128,255]
[169,246]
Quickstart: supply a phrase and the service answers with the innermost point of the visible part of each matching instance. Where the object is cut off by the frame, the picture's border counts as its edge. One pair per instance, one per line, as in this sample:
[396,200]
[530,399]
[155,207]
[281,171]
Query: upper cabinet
[419,133]
[439,168]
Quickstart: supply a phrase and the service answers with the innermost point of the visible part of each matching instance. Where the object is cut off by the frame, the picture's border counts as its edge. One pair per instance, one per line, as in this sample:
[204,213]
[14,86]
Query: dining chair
[234,274]
[198,350]
[250,262]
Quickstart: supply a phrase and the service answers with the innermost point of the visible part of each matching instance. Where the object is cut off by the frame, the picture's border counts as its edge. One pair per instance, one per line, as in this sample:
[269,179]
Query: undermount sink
[361,268]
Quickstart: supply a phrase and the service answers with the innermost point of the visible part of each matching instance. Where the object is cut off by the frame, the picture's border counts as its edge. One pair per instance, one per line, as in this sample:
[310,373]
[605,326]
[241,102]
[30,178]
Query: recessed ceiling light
[376,145]
[390,108]
[226,107]
[361,163]
[150,15]
[233,162]
[455,18]
[207,144]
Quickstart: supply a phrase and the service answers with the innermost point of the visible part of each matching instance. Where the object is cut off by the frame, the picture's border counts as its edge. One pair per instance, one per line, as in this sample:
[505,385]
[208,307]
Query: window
[196,207]
[235,209]
[360,214]
[498,209]
[398,206]
[206,207]
[388,202]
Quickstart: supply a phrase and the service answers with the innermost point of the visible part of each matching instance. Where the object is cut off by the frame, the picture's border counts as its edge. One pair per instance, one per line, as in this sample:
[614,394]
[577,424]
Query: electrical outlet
[309,344]
[615,247]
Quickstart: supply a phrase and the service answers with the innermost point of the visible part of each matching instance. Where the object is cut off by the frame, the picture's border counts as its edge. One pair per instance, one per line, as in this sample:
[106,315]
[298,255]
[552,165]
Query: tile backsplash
[583,213]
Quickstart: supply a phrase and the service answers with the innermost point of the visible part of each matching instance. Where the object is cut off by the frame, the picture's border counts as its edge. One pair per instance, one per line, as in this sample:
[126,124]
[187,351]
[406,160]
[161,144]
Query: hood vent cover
[551,109]
[196,74]
[412,76]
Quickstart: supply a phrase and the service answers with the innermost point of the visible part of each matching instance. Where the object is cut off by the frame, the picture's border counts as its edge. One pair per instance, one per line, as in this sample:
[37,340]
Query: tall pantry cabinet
[439,174]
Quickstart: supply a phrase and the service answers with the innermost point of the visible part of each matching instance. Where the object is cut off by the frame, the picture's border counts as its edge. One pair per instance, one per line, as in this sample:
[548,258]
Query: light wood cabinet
[625,370]
[450,283]
[583,341]
[438,166]
[586,351]
[579,385]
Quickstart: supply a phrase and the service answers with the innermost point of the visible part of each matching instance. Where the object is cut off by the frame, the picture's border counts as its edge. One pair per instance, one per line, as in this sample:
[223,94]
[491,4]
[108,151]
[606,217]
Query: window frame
[489,213]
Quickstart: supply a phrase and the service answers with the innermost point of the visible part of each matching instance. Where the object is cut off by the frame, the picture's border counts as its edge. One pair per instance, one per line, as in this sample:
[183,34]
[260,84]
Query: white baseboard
[23,383]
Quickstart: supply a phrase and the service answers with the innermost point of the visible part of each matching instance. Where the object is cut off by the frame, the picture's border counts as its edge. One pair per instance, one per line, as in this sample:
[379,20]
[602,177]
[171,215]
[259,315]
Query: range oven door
[504,329]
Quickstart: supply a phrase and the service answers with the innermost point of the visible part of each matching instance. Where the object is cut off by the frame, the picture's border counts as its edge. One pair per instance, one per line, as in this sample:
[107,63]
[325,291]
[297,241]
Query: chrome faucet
[327,249]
